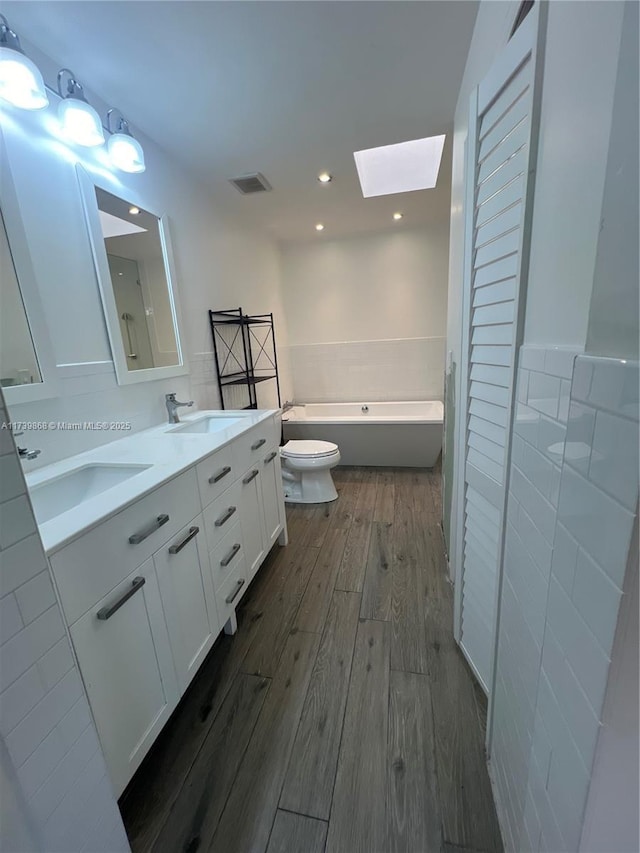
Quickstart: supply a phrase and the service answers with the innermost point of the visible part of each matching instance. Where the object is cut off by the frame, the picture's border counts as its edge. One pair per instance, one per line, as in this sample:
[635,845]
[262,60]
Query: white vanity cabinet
[186,588]
[272,497]
[123,651]
[147,591]
[252,519]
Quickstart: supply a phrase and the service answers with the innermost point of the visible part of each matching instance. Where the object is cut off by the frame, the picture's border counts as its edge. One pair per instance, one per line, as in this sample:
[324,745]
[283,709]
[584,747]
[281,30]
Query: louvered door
[499,158]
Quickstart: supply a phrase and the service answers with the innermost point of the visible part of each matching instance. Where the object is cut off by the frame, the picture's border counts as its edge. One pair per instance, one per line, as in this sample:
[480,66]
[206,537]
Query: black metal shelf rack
[245,351]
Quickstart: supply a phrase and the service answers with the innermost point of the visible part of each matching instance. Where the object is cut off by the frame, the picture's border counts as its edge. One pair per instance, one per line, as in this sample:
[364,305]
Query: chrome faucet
[172,407]
[24,453]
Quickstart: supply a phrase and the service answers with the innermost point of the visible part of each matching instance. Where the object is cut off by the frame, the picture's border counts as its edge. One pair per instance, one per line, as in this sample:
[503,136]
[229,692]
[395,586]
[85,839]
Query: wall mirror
[134,266]
[18,359]
[27,366]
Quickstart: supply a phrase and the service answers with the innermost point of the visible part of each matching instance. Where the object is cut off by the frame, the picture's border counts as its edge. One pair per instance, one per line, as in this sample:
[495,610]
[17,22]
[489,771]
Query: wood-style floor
[341,717]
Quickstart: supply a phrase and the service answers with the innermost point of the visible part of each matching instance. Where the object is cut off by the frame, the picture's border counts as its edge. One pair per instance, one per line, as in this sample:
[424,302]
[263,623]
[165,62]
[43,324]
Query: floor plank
[413,808]
[278,614]
[314,607]
[377,587]
[408,635]
[309,782]
[468,811]
[348,481]
[192,821]
[358,814]
[354,561]
[153,790]
[248,816]
[385,496]
[294,833]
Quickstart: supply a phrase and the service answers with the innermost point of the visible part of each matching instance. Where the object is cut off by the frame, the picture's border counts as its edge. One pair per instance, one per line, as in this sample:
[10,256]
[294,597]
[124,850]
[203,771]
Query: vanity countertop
[166,453]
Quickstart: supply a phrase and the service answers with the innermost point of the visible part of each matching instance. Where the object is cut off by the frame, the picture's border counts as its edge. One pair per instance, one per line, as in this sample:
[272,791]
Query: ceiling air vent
[248,184]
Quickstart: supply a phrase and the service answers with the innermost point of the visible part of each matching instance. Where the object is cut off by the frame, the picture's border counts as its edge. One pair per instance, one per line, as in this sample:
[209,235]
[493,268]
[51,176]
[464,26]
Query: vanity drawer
[227,555]
[221,515]
[229,593]
[252,446]
[92,565]
[216,473]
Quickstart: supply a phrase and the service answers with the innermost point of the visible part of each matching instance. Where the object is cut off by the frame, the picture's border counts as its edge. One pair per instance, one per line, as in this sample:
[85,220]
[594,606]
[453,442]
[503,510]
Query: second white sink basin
[208,424]
[62,493]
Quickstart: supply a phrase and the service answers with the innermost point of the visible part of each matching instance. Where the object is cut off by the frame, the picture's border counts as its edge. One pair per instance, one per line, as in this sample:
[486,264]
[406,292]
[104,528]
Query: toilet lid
[308,448]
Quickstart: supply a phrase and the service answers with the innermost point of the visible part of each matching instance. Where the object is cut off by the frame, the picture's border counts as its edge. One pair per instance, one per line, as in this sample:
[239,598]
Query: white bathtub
[386,434]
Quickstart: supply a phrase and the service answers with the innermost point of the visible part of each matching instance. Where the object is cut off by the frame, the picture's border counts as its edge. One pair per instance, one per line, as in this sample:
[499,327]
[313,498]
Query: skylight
[400,168]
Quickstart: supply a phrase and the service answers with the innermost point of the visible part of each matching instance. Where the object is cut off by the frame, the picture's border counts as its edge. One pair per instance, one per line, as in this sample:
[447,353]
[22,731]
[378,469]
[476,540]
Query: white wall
[581,61]
[366,316]
[219,263]
[55,794]
[613,314]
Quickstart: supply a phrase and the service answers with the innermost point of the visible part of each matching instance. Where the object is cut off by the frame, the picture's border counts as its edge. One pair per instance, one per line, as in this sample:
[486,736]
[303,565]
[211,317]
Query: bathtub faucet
[290,404]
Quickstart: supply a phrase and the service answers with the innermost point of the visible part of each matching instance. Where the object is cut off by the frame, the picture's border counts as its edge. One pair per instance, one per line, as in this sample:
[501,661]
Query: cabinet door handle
[270,457]
[107,612]
[175,549]
[251,476]
[234,595]
[217,477]
[223,518]
[226,560]
[141,535]
[258,443]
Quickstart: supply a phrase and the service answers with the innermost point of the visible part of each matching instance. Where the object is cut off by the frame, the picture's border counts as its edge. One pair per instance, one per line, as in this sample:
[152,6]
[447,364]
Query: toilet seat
[308,449]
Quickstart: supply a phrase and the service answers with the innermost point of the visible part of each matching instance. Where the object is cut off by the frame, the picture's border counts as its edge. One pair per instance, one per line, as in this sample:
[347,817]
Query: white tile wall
[571,507]
[342,372]
[45,723]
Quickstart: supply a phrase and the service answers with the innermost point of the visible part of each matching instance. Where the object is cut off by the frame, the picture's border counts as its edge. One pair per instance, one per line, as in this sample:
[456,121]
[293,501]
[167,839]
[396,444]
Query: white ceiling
[285,88]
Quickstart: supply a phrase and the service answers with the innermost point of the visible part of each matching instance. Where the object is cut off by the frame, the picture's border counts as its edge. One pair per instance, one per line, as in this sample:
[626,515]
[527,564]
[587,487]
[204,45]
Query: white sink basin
[56,496]
[208,424]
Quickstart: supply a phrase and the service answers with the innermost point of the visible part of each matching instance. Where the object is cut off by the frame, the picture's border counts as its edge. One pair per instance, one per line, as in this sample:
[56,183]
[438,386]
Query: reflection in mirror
[18,361]
[137,267]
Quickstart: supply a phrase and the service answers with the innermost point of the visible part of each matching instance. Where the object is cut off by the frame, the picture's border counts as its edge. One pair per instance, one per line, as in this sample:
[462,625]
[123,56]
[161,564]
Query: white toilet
[306,471]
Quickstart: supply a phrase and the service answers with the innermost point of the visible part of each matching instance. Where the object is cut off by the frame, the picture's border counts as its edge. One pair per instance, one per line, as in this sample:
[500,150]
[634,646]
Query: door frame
[531,32]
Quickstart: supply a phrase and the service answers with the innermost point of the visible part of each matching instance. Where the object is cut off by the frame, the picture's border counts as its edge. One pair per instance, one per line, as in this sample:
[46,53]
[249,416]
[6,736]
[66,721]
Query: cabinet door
[187,597]
[125,661]
[251,520]
[272,506]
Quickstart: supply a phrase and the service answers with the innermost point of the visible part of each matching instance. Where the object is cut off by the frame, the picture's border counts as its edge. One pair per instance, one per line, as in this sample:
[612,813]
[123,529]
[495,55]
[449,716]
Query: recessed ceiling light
[400,168]
[325,178]
[398,215]
[134,210]
[319,227]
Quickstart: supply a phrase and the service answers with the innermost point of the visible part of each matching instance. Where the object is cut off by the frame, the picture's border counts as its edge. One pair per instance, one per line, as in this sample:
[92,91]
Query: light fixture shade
[80,122]
[21,82]
[126,153]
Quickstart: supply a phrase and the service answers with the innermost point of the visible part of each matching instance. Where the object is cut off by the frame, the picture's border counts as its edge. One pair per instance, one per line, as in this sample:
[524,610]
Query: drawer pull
[175,549]
[107,612]
[271,457]
[251,476]
[226,560]
[257,444]
[234,595]
[156,524]
[217,477]
[225,517]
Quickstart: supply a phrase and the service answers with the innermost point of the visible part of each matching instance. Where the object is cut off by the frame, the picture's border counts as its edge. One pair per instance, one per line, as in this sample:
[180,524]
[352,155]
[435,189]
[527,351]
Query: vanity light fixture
[124,150]
[21,82]
[397,216]
[319,227]
[325,178]
[134,210]
[79,121]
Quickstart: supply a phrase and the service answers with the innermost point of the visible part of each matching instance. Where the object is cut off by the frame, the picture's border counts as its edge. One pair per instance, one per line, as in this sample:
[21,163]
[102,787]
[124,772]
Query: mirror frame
[125,376]
[30,292]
